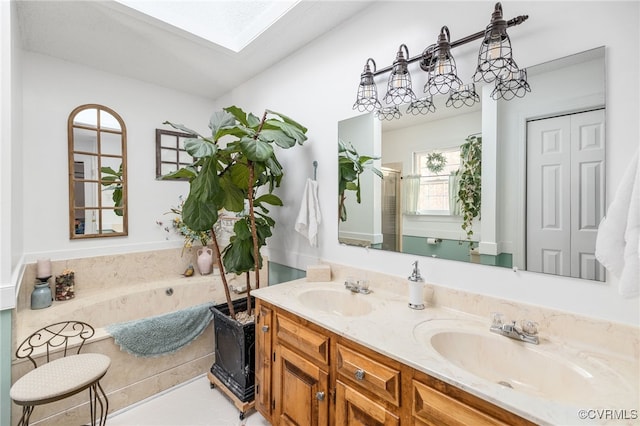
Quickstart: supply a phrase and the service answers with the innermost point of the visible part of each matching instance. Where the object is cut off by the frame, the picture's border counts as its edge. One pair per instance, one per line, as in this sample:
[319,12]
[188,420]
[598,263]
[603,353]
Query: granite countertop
[383,322]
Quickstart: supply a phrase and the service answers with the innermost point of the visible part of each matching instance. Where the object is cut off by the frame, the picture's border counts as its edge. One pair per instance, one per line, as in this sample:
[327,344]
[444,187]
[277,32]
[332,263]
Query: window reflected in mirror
[97,173]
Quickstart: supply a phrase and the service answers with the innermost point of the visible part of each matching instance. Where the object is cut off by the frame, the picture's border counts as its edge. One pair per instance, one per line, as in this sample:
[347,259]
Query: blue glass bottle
[41,296]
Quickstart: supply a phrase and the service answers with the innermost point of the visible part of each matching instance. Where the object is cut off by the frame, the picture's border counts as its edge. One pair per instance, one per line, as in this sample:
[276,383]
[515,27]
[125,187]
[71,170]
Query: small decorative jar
[41,295]
[65,285]
[205,260]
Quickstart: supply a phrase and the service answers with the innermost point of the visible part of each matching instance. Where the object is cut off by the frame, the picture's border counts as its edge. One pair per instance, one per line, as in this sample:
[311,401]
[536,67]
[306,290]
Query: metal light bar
[427,59]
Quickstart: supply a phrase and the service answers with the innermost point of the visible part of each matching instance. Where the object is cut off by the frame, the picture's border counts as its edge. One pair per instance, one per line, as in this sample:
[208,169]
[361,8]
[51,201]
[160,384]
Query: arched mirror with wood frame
[97,173]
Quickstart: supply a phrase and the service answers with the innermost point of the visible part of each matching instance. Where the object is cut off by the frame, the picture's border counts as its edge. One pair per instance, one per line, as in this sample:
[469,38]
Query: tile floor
[193,403]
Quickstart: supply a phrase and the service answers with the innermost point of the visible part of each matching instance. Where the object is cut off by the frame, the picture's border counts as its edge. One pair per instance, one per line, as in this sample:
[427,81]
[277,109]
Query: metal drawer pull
[265,328]
[359,374]
[320,396]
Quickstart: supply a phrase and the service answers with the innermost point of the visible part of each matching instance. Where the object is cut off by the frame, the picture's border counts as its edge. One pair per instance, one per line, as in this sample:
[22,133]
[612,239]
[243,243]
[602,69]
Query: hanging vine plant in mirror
[97,173]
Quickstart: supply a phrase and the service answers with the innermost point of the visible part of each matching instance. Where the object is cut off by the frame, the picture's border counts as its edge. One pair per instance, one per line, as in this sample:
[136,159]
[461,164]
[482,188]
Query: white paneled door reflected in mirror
[97,173]
[542,175]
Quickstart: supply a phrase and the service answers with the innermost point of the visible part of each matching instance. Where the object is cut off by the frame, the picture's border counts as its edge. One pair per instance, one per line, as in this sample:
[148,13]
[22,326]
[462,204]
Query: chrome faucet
[359,286]
[528,331]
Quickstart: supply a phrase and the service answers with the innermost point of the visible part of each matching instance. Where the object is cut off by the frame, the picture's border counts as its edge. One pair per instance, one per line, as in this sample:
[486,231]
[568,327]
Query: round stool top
[59,378]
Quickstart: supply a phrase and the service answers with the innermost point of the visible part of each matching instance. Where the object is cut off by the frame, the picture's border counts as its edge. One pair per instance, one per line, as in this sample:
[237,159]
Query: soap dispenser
[416,288]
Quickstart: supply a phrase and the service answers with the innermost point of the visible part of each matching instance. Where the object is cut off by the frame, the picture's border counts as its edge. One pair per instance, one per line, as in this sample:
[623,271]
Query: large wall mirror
[97,173]
[543,175]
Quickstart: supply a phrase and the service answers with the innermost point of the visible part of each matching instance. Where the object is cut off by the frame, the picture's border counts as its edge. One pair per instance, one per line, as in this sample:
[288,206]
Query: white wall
[52,89]
[317,87]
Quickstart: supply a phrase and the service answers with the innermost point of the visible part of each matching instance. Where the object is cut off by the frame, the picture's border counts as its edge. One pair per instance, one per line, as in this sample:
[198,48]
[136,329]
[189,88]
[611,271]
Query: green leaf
[182,128]
[109,171]
[256,150]
[201,207]
[238,113]
[220,120]
[199,148]
[185,172]
[274,167]
[289,121]
[280,139]
[233,195]
[239,174]
[268,199]
[238,256]
[289,130]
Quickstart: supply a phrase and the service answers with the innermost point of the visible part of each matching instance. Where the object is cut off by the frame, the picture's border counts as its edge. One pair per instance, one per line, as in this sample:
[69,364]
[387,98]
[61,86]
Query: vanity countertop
[391,328]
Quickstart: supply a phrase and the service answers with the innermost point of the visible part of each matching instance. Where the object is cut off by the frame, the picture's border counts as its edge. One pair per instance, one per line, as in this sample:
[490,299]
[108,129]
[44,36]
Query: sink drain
[505,384]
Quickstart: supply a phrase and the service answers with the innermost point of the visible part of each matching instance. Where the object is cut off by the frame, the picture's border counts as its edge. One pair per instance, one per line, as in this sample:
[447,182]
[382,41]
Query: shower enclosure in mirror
[542,174]
[97,173]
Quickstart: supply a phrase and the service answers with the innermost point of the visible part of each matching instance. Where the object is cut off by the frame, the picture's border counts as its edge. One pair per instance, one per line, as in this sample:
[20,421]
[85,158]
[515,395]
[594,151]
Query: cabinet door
[263,360]
[301,390]
[433,408]
[355,409]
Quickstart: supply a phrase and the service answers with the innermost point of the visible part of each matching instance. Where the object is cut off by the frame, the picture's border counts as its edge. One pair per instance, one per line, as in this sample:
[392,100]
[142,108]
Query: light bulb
[495,44]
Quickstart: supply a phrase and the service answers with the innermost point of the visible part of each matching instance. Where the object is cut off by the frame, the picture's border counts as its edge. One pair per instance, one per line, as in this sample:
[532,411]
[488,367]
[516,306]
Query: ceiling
[112,37]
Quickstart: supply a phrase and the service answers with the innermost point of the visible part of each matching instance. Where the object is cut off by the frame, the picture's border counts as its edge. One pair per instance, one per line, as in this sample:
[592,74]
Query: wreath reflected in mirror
[436,162]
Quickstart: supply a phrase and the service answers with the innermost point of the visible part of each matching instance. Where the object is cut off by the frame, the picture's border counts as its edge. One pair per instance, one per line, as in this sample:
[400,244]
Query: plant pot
[234,363]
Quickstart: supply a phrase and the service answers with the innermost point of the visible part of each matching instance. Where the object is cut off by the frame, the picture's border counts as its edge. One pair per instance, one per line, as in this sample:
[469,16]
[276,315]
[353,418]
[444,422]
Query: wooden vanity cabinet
[368,387]
[298,383]
[306,375]
[263,359]
[436,403]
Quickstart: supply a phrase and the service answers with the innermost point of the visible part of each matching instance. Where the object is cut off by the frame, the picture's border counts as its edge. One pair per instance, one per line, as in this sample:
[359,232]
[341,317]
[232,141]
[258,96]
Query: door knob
[359,374]
[320,396]
[265,328]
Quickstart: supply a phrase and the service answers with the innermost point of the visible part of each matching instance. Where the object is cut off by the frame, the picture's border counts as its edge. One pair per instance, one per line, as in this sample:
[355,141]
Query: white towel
[309,217]
[618,240]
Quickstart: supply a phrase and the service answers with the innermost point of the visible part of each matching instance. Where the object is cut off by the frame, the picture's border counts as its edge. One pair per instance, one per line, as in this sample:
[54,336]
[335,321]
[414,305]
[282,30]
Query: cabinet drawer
[368,374]
[437,409]
[309,342]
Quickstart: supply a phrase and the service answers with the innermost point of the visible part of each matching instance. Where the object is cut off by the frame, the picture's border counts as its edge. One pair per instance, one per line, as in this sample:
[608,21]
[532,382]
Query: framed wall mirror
[543,175]
[97,150]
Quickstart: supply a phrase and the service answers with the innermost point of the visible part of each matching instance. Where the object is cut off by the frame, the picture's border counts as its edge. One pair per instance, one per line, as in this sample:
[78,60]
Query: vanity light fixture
[422,106]
[443,75]
[513,85]
[367,98]
[495,56]
[495,64]
[388,113]
[399,89]
[463,95]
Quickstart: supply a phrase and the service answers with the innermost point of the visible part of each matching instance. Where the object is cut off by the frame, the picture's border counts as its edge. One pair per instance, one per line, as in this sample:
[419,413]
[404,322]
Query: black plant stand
[234,367]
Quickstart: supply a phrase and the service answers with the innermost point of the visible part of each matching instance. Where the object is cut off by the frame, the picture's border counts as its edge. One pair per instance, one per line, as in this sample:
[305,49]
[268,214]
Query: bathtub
[130,379]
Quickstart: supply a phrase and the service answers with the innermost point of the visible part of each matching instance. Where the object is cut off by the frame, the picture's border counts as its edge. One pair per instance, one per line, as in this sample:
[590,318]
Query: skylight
[231,24]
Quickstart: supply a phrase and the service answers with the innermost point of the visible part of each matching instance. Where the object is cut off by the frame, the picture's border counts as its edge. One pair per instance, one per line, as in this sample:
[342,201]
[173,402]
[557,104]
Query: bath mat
[162,334]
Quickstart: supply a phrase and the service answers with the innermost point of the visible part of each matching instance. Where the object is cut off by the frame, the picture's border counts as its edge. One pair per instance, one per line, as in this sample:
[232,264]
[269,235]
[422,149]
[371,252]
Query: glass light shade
[399,90]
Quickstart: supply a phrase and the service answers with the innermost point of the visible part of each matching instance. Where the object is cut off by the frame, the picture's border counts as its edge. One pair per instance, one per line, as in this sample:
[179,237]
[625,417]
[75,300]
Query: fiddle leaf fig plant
[236,169]
[470,186]
[350,166]
[112,181]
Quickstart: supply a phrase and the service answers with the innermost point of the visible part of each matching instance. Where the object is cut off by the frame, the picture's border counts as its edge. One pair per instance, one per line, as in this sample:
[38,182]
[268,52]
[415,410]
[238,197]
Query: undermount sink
[336,301]
[520,366]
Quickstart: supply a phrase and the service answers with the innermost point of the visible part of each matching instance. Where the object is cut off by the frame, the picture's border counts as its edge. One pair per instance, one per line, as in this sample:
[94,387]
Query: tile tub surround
[111,289]
[611,349]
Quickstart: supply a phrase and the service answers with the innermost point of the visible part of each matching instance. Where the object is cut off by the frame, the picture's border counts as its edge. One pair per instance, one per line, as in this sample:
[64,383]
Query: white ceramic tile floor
[191,404]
